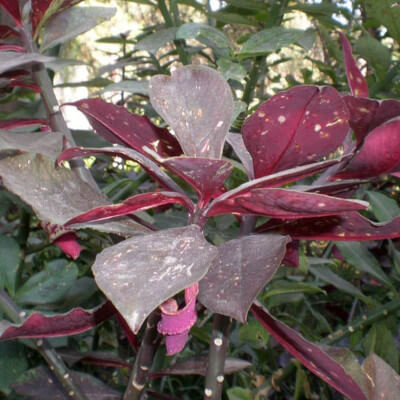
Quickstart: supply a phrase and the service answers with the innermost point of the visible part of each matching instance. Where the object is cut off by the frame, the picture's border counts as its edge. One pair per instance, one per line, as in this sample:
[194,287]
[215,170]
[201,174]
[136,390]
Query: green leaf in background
[356,254]
[378,56]
[327,275]
[238,393]
[9,263]
[5,203]
[12,364]
[49,285]
[254,334]
[383,207]
[95,82]
[385,12]
[307,40]
[197,31]
[380,340]
[145,2]
[231,70]
[73,22]
[156,40]
[141,87]
[283,287]
[232,18]
[269,40]
[248,4]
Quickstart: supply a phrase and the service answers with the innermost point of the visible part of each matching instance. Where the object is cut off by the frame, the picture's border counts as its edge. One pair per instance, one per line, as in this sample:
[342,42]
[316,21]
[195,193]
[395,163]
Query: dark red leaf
[357,83]
[118,125]
[286,204]
[295,127]
[310,355]
[7,31]
[243,267]
[291,258]
[379,154]
[15,74]
[206,175]
[12,7]
[140,202]
[39,325]
[12,47]
[102,358]
[26,85]
[20,123]
[69,245]
[348,227]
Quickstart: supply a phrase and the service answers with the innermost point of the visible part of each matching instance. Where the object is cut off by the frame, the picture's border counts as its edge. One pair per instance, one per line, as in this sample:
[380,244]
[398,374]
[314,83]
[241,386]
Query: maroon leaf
[379,154]
[69,245]
[140,202]
[237,143]
[285,204]
[348,227]
[41,384]
[38,325]
[117,125]
[26,85]
[6,32]
[291,258]
[101,358]
[165,263]
[20,123]
[197,103]
[295,127]
[12,7]
[243,267]
[357,83]
[12,47]
[150,166]
[206,175]
[310,355]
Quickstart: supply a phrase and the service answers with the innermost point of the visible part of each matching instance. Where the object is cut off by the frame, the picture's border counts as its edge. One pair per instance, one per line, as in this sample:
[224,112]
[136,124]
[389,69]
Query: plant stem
[216,357]
[252,81]
[144,359]
[57,366]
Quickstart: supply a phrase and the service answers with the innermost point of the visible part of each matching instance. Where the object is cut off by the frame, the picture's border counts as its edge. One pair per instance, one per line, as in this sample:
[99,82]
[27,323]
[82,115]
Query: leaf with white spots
[57,194]
[347,227]
[243,267]
[379,154]
[295,127]
[117,125]
[310,355]
[358,84]
[139,274]
[285,204]
[198,105]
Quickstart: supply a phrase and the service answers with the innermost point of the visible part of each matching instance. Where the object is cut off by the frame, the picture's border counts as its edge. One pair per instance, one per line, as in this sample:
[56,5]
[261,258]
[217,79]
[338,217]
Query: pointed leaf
[357,83]
[166,262]
[140,202]
[39,325]
[150,166]
[383,382]
[199,31]
[117,125]
[243,267]
[348,227]
[9,263]
[73,22]
[384,207]
[197,103]
[310,355]
[379,154]
[52,193]
[156,40]
[304,124]
[7,31]
[286,204]
[12,7]
[237,143]
[41,384]
[10,60]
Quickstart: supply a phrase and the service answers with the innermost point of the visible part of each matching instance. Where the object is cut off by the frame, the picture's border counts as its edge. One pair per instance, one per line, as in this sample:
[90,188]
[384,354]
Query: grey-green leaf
[10,60]
[9,262]
[141,87]
[139,274]
[199,31]
[156,40]
[383,207]
[73,22]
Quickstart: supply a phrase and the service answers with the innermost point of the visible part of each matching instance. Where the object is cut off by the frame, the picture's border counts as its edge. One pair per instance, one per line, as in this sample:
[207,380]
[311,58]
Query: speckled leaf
[286,204]
[118,125]
[357,83]
[383,382]
[45,143]
[39,325]
[140,202]
[12,7]
[348,227]
[206,175]
[310,355]
[197,103]
[379,154]
[10,60]
[150,166]
[73,22]
[41,384]
[368,114]
[165,263]
[53,193]
[295,127]
[237,143]
[243,267]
